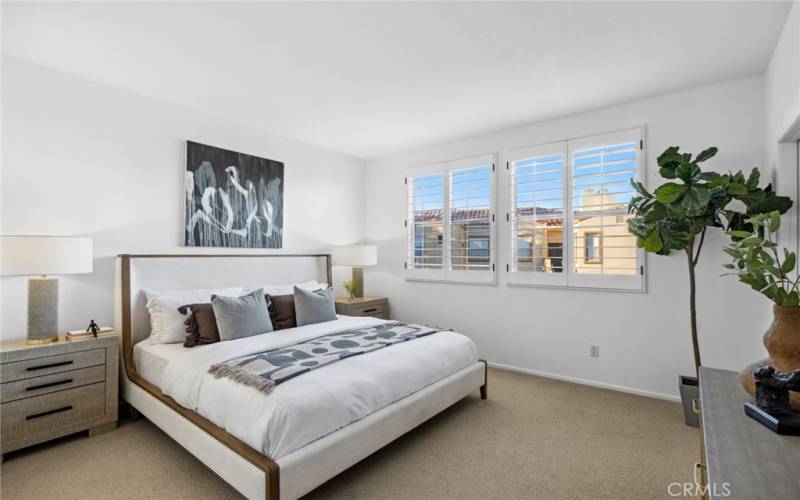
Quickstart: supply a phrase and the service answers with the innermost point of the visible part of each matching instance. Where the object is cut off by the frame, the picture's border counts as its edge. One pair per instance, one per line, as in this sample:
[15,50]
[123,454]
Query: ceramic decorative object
[782,341]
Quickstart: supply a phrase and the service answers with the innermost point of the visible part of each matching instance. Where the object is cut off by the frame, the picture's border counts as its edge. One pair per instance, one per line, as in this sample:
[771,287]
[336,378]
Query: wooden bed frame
[269,467]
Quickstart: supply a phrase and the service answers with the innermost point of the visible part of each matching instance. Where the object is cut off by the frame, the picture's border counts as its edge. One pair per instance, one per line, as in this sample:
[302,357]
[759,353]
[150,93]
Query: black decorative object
[93,328]
[232,199]
[771,406]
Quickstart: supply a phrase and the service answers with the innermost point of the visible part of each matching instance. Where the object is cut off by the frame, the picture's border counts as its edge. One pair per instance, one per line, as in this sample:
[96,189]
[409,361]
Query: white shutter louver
[603,252]
[536,215]
[426,224]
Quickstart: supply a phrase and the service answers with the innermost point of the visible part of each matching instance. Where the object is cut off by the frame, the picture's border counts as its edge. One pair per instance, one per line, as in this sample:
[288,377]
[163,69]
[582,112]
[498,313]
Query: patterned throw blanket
[267,369]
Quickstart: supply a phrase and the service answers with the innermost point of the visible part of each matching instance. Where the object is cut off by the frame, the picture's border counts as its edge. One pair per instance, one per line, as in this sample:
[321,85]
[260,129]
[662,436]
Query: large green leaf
[669,192]
[696,198]
[752,181]
[670,158]
[737,189]
[687,172]
[667,172]
[652,243]
[706,154]
[639,187]
[675,239]
[781,204]
[788,264]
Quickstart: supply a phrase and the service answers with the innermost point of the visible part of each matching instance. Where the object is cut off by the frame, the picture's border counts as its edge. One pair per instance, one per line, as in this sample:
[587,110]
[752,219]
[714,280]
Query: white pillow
[166,323]
[289,289]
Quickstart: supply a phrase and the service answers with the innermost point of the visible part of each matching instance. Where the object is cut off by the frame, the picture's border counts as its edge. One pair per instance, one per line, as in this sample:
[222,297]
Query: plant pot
[782,341]
[690,392]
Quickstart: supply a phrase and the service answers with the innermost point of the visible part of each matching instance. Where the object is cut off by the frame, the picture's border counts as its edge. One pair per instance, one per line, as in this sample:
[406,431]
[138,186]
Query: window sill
[580,288]
[452,282]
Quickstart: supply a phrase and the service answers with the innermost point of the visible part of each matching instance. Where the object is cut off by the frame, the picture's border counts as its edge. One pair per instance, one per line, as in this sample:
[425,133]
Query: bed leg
[485,386]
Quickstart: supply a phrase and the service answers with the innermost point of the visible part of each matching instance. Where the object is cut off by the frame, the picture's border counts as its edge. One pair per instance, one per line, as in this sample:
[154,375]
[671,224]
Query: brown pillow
[281,311]
[201,325]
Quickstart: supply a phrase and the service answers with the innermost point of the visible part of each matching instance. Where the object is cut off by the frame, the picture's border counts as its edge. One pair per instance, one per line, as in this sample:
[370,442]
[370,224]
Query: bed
[309,429]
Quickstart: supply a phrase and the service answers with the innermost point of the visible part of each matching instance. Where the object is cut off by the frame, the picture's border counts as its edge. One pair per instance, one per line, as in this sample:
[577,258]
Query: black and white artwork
[233,199]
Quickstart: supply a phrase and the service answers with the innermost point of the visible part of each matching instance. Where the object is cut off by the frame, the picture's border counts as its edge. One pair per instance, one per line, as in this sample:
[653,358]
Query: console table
[753,461]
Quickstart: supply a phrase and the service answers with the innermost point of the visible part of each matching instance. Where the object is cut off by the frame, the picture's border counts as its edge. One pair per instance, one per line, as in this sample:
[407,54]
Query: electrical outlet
[594,351]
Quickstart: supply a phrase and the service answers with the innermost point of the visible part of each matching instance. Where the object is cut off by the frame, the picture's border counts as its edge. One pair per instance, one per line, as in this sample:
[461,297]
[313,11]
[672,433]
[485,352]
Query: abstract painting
[233,200]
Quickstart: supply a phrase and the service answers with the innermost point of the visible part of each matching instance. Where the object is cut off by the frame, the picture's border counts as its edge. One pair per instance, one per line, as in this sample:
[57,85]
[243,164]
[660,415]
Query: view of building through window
[567,218]
[426,194]
[598,179]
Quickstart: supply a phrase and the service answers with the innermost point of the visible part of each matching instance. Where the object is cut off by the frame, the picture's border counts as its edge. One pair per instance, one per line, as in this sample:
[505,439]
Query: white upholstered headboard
[138,272]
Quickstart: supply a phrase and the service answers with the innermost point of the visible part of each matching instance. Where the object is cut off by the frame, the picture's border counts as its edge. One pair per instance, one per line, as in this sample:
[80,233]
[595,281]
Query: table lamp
[44,255]
[356,256]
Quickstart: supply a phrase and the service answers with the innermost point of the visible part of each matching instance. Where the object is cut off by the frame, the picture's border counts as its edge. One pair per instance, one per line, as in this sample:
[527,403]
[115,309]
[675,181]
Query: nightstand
[377,307]
[53,390]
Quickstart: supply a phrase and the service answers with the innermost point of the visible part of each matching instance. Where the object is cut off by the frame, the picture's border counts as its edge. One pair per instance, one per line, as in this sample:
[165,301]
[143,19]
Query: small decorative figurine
[93,328]
[771,406]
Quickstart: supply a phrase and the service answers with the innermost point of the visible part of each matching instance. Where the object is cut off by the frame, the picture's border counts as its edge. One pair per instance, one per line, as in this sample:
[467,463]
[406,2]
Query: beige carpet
[533,438]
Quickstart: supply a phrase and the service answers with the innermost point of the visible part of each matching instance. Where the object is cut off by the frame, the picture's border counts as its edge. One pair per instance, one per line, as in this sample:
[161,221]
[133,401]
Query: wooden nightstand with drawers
[377,307]
[53,390]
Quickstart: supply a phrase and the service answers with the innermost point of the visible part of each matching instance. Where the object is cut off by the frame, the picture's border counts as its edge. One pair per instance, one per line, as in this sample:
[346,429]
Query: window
[591,249]
[568,213]
[451,221]
[537,201]
[426,201]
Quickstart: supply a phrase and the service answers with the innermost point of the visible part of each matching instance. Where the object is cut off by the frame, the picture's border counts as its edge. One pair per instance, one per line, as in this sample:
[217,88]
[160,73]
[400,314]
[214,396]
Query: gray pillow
[313,307]
[239,317]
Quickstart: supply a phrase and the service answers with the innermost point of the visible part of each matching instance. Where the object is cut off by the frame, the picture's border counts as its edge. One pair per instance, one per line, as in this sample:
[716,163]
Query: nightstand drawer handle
[697,467]
[367,311]
[51,384]
[696,406]
[45,413]
[51,365]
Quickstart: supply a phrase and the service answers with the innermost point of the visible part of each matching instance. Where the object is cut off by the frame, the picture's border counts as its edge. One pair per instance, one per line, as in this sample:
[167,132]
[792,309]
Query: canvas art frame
[232,199]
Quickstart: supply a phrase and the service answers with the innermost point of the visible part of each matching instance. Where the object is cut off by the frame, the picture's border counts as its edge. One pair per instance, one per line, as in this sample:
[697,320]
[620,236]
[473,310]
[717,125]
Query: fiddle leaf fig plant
[758,263]
[677,215]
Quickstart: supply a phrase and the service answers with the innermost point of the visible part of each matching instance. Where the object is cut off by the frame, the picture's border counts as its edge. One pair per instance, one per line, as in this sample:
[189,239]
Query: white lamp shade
[30,255]
[355,255]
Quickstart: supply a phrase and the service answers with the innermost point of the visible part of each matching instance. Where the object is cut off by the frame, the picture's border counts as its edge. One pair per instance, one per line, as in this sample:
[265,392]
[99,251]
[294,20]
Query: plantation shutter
[602,251]
[450,221]
[470,222]
[536,215]
[426,223]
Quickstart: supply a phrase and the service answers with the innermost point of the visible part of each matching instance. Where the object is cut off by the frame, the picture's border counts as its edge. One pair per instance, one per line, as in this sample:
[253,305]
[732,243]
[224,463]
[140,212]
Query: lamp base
[42,310]
[358,279]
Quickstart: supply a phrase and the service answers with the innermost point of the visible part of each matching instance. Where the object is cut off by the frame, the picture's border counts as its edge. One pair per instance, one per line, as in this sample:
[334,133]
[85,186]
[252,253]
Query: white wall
[81,158]
[643,337]
[782,109]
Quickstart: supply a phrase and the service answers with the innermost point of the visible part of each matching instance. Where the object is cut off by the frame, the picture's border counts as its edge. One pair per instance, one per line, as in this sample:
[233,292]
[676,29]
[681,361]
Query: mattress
[151,359]
[312,405]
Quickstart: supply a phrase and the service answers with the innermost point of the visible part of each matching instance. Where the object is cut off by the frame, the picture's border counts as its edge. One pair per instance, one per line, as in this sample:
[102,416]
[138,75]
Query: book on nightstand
[104,331]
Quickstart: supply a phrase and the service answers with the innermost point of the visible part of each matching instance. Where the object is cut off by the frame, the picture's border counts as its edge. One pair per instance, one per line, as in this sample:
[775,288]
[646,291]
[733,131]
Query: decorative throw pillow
[239,317]
[166,322]
[281,311]
[201,325]
[313,307]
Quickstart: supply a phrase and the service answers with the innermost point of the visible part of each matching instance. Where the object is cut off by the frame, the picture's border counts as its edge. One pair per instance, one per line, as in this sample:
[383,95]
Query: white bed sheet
[151,359]
[310,406]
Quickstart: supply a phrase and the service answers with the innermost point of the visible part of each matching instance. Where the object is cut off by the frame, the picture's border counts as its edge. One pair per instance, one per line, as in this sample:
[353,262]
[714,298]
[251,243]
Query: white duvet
[314,404]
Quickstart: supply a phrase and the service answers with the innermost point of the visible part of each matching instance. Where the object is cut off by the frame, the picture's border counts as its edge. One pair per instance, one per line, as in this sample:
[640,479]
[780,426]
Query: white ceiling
[371,79]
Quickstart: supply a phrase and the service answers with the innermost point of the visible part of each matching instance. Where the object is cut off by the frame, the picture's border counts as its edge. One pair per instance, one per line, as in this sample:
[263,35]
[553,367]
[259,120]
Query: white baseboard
[574,380]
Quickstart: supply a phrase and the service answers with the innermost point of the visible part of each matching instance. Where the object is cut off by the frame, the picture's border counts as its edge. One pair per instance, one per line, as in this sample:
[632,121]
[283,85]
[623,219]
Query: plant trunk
[693,308]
